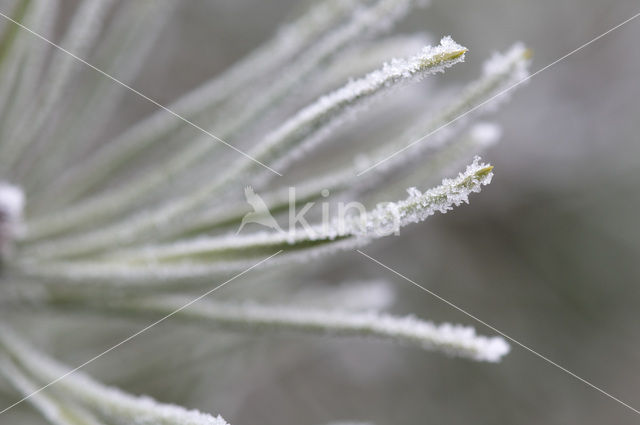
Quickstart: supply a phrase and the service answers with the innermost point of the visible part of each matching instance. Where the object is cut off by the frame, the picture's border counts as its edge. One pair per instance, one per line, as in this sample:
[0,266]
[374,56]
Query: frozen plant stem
[206,257]
[455,340]
[111,404]
[307,122]
[56,411]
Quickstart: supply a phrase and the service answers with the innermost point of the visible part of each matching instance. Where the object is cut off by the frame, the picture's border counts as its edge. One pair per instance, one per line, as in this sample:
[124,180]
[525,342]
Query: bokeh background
[548,253]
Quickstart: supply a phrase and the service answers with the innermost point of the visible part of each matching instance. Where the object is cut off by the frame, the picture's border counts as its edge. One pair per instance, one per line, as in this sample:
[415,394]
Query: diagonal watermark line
[142,95]
[500,332]
[508,89]
[129,338]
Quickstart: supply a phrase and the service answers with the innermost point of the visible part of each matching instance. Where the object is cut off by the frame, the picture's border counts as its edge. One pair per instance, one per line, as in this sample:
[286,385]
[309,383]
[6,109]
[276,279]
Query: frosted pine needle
[106,402]
[53,409]
[455,340]
[208,257]
[430,60]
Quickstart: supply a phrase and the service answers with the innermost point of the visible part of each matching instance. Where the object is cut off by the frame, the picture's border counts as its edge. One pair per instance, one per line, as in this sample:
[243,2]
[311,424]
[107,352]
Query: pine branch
[108,403]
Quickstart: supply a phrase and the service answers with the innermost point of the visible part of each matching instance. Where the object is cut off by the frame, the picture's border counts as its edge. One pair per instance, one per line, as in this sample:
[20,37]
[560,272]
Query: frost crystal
[390,217]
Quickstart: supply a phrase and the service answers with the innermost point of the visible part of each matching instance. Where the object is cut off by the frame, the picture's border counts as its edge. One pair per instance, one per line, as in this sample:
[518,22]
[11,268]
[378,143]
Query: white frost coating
[444,143]
[309,120]
[500,72]
[209,256]
[111,403]
[455,340]
[481,136]
[364,58]
[418,206]
[51,409]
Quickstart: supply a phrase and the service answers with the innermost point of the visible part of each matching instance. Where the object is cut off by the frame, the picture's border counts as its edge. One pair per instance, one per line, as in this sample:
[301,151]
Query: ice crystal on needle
[418,206]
